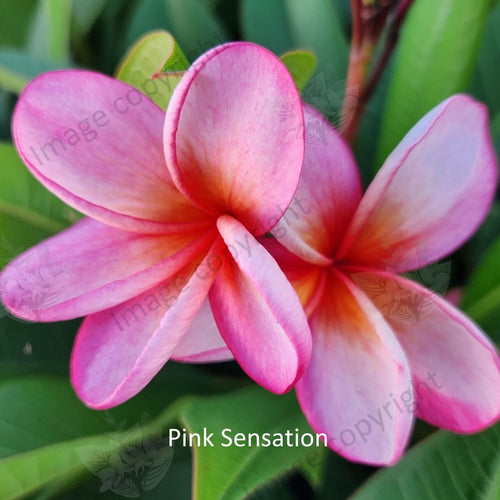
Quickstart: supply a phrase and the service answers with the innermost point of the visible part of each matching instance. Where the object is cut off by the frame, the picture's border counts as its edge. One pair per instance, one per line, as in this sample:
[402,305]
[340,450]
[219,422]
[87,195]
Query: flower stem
[368,21]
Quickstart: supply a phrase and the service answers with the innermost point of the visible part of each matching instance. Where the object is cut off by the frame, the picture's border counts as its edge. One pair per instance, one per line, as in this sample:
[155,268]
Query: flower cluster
[193,247]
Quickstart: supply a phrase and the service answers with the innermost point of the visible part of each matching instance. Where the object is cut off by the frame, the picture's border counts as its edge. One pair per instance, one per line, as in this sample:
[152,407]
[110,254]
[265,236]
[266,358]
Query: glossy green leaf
[155,52]
[18,68]
[232,472]
[48,436]
[283,25]
[436,54]
[28,212]
[481,298]
[484,84]
[442,467]
[48,439]
[49,34]
[301,65]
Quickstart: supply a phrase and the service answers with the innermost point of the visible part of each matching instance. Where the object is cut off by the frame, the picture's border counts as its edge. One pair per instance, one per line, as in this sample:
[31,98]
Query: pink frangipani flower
[174,203]
[384,347]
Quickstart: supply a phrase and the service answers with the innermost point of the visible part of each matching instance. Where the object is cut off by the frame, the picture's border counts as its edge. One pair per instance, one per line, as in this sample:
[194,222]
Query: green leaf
[84,14]
[48,439]
[18,68]
[265,23]
[28,212]
[191,23]
[233,472]
[42,429]
[193,26]
[15,21]
[149,15]
[153,53]
[369,133]
[49,36]
[282,25]
[442,467]
[481,300]
[436,54]
[484,85]
[301,65]
[495,133]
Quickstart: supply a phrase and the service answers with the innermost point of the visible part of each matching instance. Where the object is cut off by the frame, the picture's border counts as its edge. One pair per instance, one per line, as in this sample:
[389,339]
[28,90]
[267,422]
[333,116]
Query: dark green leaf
[283,25]
[481,298]
[442,467]
[85,13]
[265,23]
[193,26]
[484,83]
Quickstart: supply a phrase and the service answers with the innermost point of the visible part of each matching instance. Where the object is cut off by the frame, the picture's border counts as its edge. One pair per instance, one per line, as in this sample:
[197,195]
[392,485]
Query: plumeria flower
[385,347]
[174,203]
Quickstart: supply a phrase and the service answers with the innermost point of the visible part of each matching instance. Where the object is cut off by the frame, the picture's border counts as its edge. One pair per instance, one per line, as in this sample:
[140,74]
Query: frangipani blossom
[385,347]
[174,203]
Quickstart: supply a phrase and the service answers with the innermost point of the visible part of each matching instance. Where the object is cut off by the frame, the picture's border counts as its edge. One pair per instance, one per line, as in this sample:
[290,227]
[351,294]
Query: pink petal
[90,267]
[431,194]
[234,135]
[202,343]
[307,280]
[455,368]
[328,193]
[118,351]
[99,152]
[258,313]
[357,376]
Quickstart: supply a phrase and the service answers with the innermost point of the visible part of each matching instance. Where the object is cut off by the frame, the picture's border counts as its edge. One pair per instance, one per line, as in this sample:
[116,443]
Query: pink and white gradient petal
[96,143]
[456,369]
[202,343]
[357,367]
[234,135]
[328,193]
[258,313]
[92,266]
[118,351]
[430,195]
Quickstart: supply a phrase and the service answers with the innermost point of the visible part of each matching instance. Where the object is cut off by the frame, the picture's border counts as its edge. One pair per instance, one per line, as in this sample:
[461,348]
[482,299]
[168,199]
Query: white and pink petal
[258,313]
[328,193]
[118,351]
[202,343]
[430,195]
[357,375]
[92,266]
[234,135]
[455,368]
[96,143]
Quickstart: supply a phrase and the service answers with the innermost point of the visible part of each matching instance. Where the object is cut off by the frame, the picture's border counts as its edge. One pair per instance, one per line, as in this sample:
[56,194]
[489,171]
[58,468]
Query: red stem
[359,89]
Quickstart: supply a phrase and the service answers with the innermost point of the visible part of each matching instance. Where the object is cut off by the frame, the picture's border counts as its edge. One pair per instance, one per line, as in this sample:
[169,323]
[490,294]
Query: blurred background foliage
[445,47]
